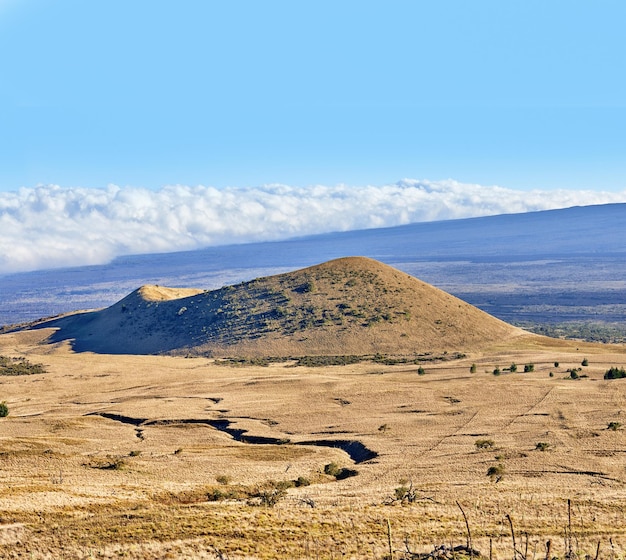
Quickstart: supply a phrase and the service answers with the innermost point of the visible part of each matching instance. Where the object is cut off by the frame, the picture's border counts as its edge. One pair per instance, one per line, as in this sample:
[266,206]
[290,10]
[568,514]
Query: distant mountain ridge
[585,245]
[349,306]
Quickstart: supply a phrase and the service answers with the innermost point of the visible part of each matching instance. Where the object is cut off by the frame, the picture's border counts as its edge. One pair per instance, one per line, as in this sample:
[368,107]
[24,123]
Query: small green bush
[405,493]
[332,469]
[229,493]
[529,368]
[513,368]
[473,368]
[340,473]
[421,371]
[4,409]
[614,426]
[215,495]
[496,472]
[542,446]
[573,373]
[484,443]
[585,362]
[223,479]
[308,287]
[272,492]
[497,371]
[556,364]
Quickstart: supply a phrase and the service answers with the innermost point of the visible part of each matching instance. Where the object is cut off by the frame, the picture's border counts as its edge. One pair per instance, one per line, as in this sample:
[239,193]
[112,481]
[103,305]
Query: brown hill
[349,306]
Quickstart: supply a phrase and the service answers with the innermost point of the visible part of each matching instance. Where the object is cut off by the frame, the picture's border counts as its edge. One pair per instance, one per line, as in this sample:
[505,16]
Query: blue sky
[146,93]
[141,126]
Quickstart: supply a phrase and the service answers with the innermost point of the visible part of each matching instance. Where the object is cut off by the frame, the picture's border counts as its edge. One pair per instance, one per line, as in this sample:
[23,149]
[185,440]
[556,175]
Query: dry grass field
[115,456]
[155,456]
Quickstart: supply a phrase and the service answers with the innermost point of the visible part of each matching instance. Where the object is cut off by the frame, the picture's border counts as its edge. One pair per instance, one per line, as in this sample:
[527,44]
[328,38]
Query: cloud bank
[51,226]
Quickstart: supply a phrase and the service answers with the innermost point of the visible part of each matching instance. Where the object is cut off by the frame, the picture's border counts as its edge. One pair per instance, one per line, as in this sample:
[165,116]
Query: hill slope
[347,306]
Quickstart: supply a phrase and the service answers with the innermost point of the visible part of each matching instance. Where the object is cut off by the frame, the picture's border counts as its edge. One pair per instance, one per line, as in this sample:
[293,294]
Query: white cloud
[50,226]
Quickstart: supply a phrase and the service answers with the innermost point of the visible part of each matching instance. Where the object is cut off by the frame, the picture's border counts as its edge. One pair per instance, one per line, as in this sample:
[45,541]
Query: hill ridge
[350,305]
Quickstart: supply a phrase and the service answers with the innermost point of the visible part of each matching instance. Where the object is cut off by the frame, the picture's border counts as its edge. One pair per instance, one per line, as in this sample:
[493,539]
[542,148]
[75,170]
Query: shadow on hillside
[84,334]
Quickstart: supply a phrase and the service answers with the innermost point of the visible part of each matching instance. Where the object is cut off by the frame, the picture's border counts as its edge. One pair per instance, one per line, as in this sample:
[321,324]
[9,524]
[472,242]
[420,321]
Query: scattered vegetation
[244,361]
[529,367]
[266,494]
[416,359]
[340,360]
[542,446]
[614,426]
[321,361]
[19,366]
[223,494]
[574,373]
[270,493]
[107,464]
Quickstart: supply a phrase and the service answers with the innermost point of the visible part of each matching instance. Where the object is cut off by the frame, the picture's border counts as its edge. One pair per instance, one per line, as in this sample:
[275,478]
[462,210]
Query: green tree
[4,409]
[615,373]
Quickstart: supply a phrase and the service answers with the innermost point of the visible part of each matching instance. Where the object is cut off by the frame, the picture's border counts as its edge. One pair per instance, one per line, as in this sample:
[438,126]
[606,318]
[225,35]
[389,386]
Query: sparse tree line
[573,373]
[607,333]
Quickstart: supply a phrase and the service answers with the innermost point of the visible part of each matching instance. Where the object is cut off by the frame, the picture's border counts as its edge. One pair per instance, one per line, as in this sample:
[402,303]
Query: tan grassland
[115,456]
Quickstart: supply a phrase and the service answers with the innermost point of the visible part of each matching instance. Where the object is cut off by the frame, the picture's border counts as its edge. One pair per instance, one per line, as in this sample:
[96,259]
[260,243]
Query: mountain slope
[347,306]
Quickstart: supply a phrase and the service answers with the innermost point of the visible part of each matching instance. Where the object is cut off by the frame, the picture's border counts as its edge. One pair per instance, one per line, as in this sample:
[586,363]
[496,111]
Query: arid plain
[108,455]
